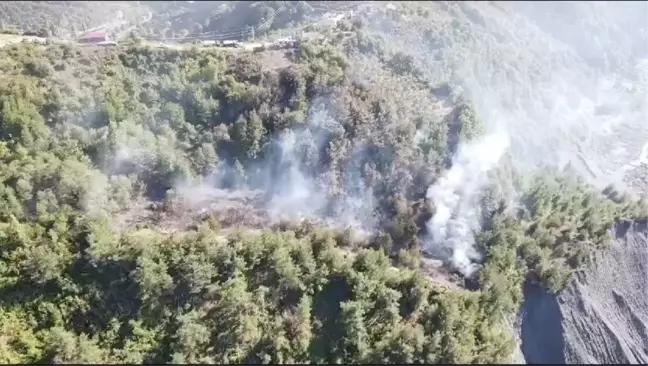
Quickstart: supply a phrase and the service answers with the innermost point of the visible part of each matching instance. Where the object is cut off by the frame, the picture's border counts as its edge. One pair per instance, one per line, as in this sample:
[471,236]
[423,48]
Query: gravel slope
[602,317]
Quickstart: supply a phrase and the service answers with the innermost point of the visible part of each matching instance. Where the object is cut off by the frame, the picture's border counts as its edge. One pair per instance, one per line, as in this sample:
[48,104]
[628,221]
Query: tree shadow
[542,330]
[328,311]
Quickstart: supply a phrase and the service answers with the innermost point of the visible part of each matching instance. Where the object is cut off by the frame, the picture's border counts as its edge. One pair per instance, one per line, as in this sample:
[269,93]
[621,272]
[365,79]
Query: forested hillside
[223,19]
[238,20]
[60,19]
[201,206]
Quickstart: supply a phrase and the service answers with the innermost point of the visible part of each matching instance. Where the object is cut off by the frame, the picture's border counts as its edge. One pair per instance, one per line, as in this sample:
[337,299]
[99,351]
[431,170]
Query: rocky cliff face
[602,317]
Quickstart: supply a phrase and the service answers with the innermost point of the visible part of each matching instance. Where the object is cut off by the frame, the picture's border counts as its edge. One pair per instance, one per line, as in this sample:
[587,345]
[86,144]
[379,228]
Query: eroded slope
[602,317]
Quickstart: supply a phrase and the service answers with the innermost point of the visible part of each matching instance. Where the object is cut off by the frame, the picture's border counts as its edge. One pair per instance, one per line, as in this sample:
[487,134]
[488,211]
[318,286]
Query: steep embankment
[602,317]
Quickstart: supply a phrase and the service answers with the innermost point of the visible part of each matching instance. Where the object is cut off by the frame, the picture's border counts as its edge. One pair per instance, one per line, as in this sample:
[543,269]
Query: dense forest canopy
[129,233]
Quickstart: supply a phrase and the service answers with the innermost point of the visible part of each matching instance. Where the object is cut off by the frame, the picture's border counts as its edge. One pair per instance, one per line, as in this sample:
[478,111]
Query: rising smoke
[291,182]
[552,76]
[456,199]
[542,98]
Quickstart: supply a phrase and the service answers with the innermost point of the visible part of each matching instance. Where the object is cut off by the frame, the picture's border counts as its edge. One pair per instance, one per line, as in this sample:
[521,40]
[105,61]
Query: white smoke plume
[288,182]
[296,196]
[565,89]
[456,197]
[559,85]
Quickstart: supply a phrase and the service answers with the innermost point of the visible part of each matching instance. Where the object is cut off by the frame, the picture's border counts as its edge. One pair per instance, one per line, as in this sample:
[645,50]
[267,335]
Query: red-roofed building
[94,37]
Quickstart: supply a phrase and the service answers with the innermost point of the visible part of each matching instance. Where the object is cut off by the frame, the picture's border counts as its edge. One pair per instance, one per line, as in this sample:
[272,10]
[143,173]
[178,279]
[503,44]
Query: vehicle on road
[231,43]
[107,44]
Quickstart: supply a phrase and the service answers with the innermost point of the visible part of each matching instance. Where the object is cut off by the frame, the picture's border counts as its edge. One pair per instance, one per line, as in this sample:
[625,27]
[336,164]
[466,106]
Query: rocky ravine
[602,317]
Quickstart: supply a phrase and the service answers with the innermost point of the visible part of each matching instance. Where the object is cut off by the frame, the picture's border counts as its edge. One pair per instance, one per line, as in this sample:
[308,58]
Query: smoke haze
[550,90]
[456,199]
[290,181]
[563,80]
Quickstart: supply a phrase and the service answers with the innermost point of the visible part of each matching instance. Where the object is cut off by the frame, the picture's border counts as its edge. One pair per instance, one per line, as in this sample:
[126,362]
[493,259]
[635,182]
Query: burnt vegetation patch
[142,194]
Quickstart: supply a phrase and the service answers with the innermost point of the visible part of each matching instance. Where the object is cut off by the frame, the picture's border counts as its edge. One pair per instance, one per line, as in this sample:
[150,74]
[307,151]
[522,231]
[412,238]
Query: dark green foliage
[86,134]
[552,235]
[196,297]
[130,122]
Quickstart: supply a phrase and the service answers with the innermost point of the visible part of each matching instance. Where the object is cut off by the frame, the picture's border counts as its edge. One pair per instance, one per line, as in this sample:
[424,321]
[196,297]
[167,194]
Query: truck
[231,43]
